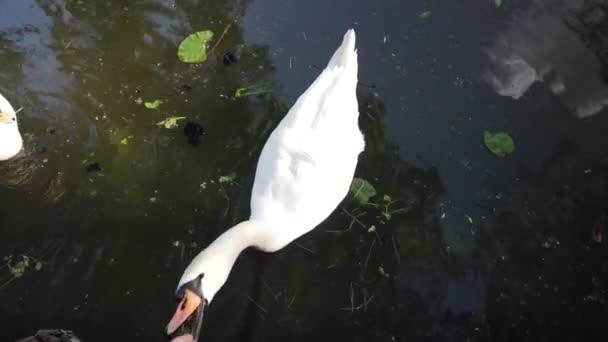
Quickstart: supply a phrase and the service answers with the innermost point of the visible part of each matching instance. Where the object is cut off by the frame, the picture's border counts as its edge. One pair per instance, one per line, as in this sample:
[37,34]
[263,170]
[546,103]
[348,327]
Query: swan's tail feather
[346,53]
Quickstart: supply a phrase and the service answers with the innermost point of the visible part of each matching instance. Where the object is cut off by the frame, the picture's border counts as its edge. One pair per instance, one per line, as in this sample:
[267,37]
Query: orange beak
[5,118]
[185,309]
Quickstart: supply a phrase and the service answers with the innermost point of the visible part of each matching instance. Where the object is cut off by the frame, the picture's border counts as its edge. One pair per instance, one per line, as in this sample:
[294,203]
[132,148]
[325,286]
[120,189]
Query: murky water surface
[476,248]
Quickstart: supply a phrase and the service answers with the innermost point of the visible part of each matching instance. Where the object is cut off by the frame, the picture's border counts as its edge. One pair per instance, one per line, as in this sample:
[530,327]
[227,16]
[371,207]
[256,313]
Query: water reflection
[522,264]
[556,42]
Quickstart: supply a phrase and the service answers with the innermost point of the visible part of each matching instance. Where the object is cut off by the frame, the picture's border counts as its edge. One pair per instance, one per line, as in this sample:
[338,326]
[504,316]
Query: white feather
[303,173]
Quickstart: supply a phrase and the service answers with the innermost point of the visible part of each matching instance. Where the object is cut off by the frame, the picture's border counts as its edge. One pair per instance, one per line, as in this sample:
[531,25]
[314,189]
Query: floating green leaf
[425,15]
[387,216]
[18,268]
[153,105]
[500,143]
[193,49]
[362,191]
[227,179]
[498,3]
[171,122]
[38,266]
[256,89]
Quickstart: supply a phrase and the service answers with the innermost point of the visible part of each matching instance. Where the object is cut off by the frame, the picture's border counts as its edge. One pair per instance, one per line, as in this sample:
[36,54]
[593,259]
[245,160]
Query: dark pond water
[485,248]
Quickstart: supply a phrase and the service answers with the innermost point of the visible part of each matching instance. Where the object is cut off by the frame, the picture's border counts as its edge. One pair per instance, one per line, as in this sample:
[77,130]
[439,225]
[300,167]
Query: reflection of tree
[590,23]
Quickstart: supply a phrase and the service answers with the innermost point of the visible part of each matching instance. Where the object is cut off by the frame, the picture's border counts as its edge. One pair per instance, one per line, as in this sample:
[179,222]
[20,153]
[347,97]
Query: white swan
[304,171]
[10,138]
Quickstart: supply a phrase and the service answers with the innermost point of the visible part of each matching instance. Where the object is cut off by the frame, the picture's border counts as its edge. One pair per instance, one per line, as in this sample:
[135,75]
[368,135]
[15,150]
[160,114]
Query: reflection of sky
[538,47]
[28,27]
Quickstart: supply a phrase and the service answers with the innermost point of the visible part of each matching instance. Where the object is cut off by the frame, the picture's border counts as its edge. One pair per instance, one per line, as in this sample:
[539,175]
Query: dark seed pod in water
[229,58]
[93,167]
[193,132]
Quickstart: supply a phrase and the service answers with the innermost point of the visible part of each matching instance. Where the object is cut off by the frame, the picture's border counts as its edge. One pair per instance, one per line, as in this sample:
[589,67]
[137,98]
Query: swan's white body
[10,138]
[304,171]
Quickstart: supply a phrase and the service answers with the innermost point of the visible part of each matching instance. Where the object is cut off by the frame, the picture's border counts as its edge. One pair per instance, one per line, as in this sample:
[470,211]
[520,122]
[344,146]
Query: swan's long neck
[216,261]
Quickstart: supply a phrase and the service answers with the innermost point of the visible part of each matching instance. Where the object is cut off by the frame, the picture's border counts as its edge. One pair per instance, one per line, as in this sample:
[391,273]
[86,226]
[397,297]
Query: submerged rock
[52,335]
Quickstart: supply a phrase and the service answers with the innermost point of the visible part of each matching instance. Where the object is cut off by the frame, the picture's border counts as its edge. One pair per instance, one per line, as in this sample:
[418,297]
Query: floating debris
[171,122]
[256,89]
[425,15]
[229,58]
[184,88]
[153,104]
[93,167]
[228,179]
[193,132]
[18,268]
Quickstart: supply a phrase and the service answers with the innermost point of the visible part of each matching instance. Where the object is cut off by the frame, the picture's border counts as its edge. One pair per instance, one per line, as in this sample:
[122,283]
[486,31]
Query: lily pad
[362,191]
[256,89]
[171,122]
[499,143]
[193,49]
[152,105]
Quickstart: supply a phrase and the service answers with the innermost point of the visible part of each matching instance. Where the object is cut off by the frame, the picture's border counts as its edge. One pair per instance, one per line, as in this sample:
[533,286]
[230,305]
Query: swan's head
[201,280]
[10,138]
[8,119]
[191,303]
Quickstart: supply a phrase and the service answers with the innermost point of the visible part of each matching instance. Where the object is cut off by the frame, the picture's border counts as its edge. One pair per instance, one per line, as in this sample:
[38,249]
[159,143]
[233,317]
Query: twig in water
[353,308]
[291,301]
[259,307]
[269,289]
[397,255]
[369,253]
[220,39]
[353,220]
[306,249]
